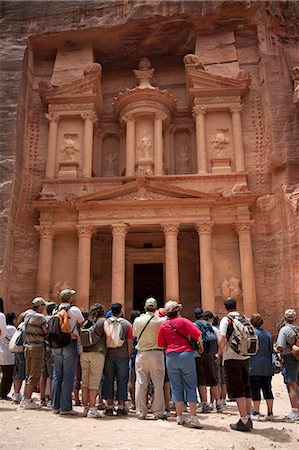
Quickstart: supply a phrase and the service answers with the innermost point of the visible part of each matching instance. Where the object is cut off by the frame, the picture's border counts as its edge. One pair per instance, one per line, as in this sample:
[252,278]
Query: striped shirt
[34,329]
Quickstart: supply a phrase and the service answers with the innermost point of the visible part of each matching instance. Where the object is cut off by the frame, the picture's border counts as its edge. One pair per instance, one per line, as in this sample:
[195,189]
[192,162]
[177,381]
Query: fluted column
[204,231]
[171,261]
[52,144]
[44,269]
[130,144]
[158,143]
[119,232]
[89,119]
[199,114]
[83,265]
[238,139]
[246,261]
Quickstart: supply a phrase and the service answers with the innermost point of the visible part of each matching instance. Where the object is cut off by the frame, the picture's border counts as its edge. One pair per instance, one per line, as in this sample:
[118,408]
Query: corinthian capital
[52,117]
[89,115]
[85,230]
[204,227]
[45,231]
[171,229]
[119,229]
[197,110]
[128,116]
[160,116]
[236,109]
[243,227]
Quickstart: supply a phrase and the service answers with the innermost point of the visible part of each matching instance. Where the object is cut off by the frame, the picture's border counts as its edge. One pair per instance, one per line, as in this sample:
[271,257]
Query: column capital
[160,116]
[243,227]
[128,116]
[204,227]
[89,115]
[85,230]
[45,231]
[119,229]
[236,109]
[197,110]
[52,117]
[171,228]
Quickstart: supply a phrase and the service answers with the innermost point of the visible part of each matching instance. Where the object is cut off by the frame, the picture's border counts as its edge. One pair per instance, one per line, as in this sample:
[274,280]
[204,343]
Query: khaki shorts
[92,365]
[34,358]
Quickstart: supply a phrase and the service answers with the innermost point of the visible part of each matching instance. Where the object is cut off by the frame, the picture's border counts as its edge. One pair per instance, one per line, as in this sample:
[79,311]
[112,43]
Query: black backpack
[56,337]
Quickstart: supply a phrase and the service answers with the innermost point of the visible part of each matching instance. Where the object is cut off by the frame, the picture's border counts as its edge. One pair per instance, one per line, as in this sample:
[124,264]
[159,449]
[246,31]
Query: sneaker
[85,411]
[109,412]
[219,408]
[94,414]
[31,405]
[250,423]
[70,412]
[199,408]
[132,408]
[257,417]
[164,417]
[17,398]
[240,426]
[55,411]
[206,409]
[140,416]
[121,412]
[292,417]
[167,412]
[43,402]
[194,422]
[101,407]
[270,418]
[180,420]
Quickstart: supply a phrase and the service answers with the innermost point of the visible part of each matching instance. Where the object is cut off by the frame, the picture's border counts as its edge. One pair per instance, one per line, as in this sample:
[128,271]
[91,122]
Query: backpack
[117,332]
[209,338]
[16,343]
[88,335]
[59,334]
[241,336]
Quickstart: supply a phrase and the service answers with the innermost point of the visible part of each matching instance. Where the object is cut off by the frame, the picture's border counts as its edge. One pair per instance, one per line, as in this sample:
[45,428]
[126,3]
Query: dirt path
[42,430]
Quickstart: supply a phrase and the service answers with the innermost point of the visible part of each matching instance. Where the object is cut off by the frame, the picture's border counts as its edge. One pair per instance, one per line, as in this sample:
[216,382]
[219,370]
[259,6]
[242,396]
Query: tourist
[2,319]
[174,337]
[290,365]
[92,360]
[35,332]
[65,358]
[236,369]
[149,361]
[132,372]
[48,366]
[7,359]
[116,367]
[161,312]
[220,372]
[19,374]
[261,370]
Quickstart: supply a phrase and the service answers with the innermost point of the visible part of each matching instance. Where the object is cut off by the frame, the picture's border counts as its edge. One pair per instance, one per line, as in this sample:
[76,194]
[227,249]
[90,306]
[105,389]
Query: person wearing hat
[35,331]
[65,358]
[149,363]
[174,336]
[290,365]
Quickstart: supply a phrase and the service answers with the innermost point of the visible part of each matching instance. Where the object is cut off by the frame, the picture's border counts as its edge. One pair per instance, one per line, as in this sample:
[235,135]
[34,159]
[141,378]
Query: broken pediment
[144,189]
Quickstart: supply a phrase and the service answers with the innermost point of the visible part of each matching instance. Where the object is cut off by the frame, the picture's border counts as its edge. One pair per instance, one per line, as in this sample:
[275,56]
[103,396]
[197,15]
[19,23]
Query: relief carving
[110,165]
[70,148]
[184,156]
[194,61]
[230,287]
[145,147]
[219,141]
[144,73]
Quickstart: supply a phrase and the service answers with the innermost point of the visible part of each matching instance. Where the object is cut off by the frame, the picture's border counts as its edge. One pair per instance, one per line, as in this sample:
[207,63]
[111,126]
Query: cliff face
[261,37]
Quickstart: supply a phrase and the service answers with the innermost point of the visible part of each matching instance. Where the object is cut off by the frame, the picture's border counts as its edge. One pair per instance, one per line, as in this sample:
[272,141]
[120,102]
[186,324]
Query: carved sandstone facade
[148,180]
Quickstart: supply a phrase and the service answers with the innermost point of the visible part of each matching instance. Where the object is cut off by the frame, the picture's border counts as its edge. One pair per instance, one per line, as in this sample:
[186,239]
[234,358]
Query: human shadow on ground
[272,434]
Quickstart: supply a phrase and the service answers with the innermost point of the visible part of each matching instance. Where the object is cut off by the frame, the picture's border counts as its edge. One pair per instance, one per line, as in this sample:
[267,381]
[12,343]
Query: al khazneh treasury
[154,152]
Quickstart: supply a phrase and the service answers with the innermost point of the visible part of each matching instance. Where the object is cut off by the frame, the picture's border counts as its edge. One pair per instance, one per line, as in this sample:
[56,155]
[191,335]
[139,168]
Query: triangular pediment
[144,190]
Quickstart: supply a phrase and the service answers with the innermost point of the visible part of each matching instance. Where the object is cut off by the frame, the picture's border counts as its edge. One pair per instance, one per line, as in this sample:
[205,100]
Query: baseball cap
[38,301]
[161,312]
[290,314]
[66,294]
[172,306]
[198,312]
[151,302]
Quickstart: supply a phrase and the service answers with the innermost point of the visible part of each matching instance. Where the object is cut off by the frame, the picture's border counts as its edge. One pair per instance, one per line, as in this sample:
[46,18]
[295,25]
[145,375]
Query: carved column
[158,143]
[44,269]
[246,261]
[199,114]
[204,231]
[89,119]
[119,232]
[171,149]
[238,139]
[130,145]
[83,265]
[52,144]
[171,261]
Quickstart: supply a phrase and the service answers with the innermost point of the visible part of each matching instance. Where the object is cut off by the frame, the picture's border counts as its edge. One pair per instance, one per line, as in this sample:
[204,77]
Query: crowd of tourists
[158,359]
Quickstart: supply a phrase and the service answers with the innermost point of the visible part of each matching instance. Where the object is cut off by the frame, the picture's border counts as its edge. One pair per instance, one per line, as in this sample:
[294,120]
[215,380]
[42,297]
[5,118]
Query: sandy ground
[41,429]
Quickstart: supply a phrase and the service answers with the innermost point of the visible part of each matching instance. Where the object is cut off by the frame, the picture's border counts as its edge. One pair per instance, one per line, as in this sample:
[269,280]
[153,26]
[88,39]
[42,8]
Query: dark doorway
[148,281]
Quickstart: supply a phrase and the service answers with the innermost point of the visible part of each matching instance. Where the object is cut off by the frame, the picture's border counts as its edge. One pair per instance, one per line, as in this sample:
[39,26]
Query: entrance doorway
[148,281]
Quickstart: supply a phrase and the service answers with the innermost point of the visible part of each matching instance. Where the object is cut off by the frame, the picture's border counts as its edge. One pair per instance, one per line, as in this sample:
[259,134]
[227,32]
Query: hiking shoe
[219,408]
[194,422]
[292,417]
[70,412]
[109,412]
[180,420]
[240,426]
[94,414]
[206,409]
[121,412]
[31,405]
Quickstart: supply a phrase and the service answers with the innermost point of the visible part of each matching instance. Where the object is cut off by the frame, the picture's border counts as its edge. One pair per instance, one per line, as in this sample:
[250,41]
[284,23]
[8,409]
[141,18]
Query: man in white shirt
[2,319]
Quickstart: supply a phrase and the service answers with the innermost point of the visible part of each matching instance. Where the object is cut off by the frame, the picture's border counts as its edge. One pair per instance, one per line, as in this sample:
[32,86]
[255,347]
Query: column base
[68,169]
[221,165]
[144,168]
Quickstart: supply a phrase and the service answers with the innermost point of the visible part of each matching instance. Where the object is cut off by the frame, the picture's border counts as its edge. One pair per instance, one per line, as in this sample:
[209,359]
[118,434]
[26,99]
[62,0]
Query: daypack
[88,335]
[59,334]
[209,338]
[16,343]
[117,332]
[242,337]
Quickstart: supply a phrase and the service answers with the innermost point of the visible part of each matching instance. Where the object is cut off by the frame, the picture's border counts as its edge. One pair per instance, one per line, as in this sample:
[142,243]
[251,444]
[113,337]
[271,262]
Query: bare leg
[92,397]
[242,406]
[269,403]
[203,394]
[17,384]
[179,408]
[85,395]
[166,394]
[256,405]
[292,389]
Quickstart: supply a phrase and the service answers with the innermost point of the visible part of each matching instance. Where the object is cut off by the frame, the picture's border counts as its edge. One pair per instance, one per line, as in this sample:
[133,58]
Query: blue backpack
[209,337]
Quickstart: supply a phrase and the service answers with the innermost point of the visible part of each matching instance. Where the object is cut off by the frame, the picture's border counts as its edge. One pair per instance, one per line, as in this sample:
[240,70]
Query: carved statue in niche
[70,148]
[144,73]
[184,156]
[220,140]
[295,78]
[145,147]
[230,287]
[110,164]
[194,61]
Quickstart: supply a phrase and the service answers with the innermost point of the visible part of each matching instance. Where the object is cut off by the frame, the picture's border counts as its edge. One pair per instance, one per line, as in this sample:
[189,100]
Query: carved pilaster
[199,115]
[238,138]
[204,230]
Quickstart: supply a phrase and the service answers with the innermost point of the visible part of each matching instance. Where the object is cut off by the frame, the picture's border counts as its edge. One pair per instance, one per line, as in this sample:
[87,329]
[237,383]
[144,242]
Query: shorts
[19,369]
[220,371]
[290,369]
[237,378]
[34,358]
[206,371]
[92,365]
[182,376]
[48,368]
[259,383]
